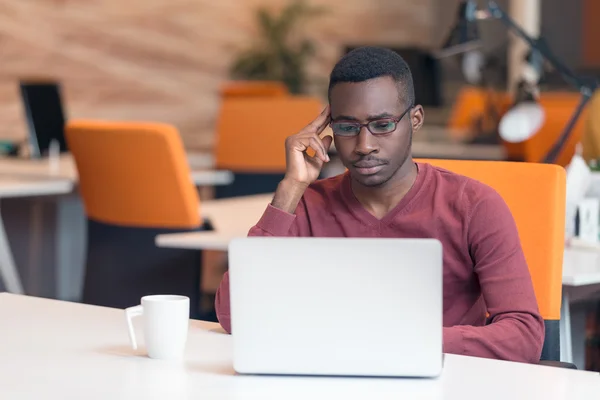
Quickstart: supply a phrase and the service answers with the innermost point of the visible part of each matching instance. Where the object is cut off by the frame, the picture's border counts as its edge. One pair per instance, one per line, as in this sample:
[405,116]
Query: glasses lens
[382,126]
[345,128]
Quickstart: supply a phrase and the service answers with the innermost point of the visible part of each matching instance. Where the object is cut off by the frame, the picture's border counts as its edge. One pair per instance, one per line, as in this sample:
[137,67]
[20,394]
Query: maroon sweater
[484,266]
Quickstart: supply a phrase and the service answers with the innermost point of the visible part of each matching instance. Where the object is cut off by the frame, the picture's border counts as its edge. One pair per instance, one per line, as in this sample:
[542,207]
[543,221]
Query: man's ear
[417,117]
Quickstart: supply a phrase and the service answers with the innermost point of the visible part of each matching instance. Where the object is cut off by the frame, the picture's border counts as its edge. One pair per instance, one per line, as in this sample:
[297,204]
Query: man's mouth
[368,167]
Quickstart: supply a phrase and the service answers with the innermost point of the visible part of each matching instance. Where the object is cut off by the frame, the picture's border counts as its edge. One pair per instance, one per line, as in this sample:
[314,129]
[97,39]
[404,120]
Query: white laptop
[336,306]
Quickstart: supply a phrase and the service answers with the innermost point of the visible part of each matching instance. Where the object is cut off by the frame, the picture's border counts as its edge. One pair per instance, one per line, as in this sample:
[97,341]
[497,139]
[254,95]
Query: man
[385,193]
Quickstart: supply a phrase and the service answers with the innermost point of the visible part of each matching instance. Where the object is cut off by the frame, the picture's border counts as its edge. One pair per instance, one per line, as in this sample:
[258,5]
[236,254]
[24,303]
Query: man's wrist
[288,195]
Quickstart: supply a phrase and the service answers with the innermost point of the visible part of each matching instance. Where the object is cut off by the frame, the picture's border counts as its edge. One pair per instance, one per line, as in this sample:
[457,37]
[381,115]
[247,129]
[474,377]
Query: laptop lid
[336,306]
[45,117]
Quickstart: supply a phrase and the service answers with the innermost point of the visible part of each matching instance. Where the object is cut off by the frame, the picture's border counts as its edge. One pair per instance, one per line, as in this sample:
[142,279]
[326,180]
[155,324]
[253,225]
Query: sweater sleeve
[274,222]
[516,331]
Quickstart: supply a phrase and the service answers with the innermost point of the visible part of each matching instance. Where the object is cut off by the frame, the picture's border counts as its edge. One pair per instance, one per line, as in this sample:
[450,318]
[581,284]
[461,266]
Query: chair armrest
[558,364]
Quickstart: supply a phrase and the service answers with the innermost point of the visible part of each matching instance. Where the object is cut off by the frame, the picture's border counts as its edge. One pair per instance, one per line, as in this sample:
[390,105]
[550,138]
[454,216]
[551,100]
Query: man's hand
[301,168]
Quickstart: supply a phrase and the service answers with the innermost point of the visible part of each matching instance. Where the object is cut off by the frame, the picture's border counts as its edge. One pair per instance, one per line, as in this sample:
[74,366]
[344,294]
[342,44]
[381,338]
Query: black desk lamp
[509,126]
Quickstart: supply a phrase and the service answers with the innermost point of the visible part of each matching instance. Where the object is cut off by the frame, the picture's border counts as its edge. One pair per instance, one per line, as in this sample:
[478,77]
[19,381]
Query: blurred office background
[166,60]
[188,63]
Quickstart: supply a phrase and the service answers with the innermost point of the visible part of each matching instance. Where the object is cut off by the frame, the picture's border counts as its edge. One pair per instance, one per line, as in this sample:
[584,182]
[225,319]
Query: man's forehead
[372,97]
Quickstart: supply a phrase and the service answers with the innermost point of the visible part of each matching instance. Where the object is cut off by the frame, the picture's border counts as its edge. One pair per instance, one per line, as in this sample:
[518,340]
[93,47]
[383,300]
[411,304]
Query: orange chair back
[251,132]
[253,89]
[535,194]
[133,174]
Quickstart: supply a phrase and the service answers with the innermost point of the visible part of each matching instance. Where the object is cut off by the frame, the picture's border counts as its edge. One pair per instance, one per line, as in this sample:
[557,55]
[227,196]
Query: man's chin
[369,180]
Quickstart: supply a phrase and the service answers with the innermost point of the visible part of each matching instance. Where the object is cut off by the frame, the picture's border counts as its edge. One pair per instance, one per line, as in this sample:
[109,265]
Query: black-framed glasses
[379,126]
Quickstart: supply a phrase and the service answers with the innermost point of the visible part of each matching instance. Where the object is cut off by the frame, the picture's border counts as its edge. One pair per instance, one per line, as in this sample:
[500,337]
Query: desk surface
[433,141]
[59,350]
[21,187]
[458,151]
[231,218]
[581,267]
[66,169]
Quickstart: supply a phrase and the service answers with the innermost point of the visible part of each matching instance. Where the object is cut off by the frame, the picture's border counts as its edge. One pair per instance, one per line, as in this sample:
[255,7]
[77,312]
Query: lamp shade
[521,122]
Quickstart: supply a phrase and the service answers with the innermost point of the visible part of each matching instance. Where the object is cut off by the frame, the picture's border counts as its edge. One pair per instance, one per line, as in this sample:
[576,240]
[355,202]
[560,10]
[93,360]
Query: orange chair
[535,194]
[245,89]
[251,136]
[135,183]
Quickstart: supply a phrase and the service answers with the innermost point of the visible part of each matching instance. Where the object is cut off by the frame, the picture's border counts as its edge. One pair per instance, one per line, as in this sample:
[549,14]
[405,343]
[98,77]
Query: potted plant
[280,54]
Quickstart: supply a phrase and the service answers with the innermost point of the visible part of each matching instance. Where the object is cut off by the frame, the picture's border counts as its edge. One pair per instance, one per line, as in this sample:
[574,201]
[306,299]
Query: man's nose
[366,143]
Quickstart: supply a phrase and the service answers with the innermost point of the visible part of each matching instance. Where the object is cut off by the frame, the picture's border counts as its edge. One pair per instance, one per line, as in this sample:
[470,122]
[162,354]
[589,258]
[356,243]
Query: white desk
[581,288]
[581,267]
[435,141]
[231,218]
[458,151]
[22,187]
[200,163]
[59,350]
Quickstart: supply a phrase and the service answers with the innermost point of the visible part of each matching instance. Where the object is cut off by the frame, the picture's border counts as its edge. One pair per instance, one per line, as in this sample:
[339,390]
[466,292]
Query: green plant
[280,54]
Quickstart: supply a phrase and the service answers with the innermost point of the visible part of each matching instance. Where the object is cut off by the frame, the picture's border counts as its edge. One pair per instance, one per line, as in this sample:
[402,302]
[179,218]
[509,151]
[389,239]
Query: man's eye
[346,127]
[383,124]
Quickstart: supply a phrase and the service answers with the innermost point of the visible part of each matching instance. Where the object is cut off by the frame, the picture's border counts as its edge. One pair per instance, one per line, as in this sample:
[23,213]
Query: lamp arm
[538,45]
[586,90]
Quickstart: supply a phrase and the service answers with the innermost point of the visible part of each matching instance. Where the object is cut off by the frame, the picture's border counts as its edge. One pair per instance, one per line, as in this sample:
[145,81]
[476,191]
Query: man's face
[373,154]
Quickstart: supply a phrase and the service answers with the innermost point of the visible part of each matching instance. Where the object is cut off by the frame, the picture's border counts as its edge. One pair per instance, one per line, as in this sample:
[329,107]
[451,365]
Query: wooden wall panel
[591,34]
[165,59]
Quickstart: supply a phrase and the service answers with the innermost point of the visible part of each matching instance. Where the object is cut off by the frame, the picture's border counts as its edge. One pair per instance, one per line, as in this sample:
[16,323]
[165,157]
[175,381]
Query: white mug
[166,322]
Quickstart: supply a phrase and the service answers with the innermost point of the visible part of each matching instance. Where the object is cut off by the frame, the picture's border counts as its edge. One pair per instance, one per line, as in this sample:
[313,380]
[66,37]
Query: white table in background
[59,350]
[231,218]
[457,151]
[581,288]
[22,187]
[200,164]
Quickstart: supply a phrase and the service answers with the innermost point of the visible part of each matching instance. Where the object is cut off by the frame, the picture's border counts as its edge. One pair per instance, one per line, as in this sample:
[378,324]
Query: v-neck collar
[359,211]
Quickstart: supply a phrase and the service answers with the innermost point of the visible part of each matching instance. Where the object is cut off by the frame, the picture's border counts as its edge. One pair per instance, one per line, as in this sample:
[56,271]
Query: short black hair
[369,62]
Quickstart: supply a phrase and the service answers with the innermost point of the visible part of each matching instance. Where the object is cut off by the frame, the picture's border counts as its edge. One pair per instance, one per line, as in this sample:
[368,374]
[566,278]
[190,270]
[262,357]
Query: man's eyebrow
[345,118]
[379,116]
[369,118]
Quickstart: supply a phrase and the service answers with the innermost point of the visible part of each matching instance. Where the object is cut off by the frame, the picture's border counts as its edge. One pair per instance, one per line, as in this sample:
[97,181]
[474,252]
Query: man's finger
[317,145]
[315,161]
[321,121]
[327,140]
[324,125]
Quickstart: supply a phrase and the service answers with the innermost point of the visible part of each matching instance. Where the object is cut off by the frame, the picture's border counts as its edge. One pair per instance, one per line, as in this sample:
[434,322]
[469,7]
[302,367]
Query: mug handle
[129,314]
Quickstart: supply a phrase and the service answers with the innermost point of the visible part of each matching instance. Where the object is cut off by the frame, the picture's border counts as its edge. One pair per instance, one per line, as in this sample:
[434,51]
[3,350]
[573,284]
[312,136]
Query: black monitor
[44,113]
